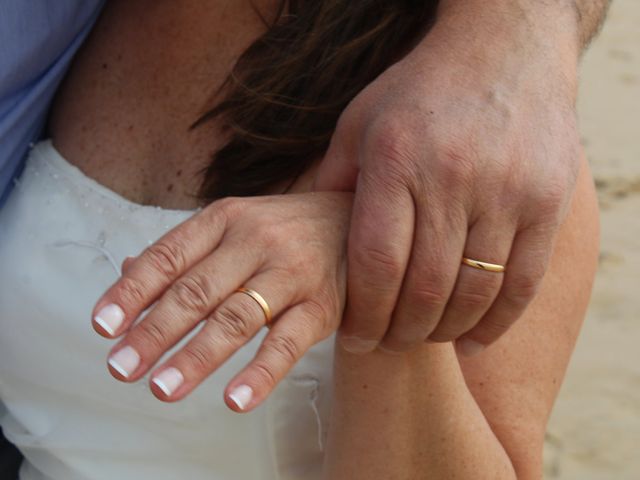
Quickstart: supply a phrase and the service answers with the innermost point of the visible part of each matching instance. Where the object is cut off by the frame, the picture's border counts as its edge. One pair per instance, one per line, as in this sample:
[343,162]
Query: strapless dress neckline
[62,238]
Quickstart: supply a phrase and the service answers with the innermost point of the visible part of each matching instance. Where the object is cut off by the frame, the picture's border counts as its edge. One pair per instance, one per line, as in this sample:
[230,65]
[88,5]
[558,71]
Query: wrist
[552,23]
[509,39]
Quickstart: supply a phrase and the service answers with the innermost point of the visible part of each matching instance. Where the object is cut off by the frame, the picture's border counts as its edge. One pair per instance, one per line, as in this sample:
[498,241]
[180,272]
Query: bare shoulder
[516,381]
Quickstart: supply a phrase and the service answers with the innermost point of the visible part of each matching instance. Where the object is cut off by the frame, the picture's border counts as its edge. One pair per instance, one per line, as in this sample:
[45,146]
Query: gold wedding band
[490,267]
[261,301]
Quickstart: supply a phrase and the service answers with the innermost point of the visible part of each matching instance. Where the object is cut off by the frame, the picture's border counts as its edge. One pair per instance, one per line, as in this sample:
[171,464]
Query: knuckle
[316,311]
[191,293]
[334,302]
[393,151]
[283,274]
[264,372]
[548,197]
[389,140]
[548,207]
[514,188]
[153,335]
[301,258]
[298,266]
[270,234]
[198,356]
[374,263]
[323,311]
[131,292]
[229,206]
[284,347]
[428,296]
[214,216]
[396,153]
[233,320]
[521,289]
[557,187]
[166,257]
[478,298]
[456,165]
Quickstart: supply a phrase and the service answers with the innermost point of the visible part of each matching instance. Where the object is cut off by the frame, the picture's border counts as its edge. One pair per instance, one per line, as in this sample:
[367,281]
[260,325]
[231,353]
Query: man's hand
[467,147]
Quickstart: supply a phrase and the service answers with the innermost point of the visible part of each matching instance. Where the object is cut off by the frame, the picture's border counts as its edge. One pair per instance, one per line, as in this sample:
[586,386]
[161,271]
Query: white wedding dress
[62,239]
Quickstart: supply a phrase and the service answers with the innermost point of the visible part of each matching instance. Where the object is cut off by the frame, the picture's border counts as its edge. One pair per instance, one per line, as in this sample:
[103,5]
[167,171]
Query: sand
[594,432]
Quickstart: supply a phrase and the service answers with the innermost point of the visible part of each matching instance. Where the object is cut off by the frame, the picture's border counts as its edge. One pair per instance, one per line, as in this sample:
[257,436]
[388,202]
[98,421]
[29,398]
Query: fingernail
[241,396]
[110,318]
[169,380]
[125,361]
[469,347]
[358,345]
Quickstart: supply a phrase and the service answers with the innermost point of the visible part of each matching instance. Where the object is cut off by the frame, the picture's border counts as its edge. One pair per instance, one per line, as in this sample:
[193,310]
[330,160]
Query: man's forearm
[591,15]
[587,16]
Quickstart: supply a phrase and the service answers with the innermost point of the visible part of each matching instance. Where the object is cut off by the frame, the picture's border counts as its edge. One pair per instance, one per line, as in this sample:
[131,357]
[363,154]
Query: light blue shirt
[38,39]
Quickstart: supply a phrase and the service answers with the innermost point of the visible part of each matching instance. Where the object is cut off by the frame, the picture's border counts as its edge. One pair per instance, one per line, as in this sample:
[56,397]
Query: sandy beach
[594,432]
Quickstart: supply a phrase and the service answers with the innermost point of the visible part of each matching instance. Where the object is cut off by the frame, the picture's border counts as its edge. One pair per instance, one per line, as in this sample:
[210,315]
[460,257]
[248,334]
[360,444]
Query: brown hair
[287,90]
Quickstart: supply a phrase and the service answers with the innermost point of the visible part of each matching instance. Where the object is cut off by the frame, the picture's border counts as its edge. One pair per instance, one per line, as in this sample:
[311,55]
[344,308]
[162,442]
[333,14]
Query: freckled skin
[122,86]
[430,410]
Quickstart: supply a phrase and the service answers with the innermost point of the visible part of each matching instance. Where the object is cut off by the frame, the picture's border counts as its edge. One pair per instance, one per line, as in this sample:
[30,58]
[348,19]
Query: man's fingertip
[357,345]
[470,348]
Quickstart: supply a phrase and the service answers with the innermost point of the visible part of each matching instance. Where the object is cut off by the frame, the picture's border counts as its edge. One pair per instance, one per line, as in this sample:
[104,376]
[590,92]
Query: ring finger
[190,299]
[476,287]
[227,329]
[429,280]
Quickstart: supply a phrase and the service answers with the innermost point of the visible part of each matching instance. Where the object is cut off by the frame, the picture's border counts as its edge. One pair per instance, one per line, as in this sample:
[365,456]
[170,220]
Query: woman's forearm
[409,416]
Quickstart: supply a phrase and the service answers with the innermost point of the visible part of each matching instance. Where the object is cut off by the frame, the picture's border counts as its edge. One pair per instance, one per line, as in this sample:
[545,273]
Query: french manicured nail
[110,318]
[469,347]
[241,396]
[169,380]
[358,345]
[125,361]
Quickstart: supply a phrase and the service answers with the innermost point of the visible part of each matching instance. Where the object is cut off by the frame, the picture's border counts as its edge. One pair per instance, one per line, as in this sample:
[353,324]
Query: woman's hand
[467,147]
[291,249]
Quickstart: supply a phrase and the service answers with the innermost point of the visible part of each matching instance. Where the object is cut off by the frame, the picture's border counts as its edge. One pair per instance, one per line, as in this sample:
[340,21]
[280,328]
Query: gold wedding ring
[489,267]
[261,301]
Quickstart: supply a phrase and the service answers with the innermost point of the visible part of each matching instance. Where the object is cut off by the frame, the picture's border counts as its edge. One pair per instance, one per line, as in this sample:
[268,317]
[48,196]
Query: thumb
[339,168]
